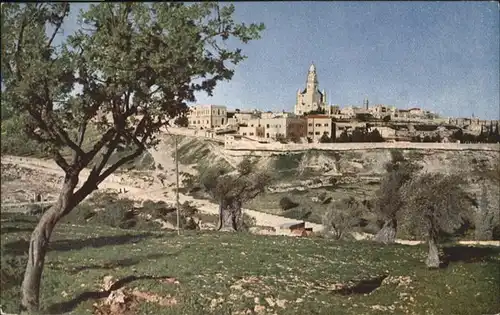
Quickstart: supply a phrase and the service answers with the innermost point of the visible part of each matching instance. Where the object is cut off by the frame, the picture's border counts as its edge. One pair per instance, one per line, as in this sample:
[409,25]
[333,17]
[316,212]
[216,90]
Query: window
[310,125]
[318,125]
[326,125]
[267,126]
[326,133]
[251,133]
[311,133]
[317,133]
[244,133]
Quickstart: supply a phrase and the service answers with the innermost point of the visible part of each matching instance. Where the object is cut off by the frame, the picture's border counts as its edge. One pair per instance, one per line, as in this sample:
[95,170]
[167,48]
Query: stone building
[311,98]
[319,125]
[207,116]
[271,128]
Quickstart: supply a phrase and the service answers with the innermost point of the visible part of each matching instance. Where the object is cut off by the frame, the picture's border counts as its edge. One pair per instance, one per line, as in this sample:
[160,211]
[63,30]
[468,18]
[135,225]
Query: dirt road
[154,191]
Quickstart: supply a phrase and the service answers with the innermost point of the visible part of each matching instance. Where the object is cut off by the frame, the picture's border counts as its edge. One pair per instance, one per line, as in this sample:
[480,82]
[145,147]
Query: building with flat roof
[319,125]
[273,128]
[207,116]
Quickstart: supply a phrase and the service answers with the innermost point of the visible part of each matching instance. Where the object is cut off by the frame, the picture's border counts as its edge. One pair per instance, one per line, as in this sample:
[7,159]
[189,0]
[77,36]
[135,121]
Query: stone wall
[278,147]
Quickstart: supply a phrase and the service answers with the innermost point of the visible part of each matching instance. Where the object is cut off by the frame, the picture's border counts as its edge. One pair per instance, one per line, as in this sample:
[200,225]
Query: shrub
[286,204]
[322,196]
[341,218]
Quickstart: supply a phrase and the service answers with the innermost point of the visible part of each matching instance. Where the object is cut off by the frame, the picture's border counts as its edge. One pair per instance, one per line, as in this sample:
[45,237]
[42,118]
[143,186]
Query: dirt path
[155,191]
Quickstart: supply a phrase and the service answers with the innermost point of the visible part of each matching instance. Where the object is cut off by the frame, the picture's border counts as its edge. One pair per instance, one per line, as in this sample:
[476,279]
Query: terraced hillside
[303,176]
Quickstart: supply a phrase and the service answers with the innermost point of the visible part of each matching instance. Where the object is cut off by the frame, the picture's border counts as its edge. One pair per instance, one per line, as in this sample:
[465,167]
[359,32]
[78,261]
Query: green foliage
[245,167]
[286,162]
[342,217]
[286,204]
[16,142]
[325,139]
[434,203]
[135,63]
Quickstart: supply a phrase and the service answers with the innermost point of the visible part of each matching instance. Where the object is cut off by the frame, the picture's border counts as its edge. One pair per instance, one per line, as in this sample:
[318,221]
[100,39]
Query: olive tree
[388,199]
[487,216]
[231,190]
[341,217]
[127,70]
[434,203]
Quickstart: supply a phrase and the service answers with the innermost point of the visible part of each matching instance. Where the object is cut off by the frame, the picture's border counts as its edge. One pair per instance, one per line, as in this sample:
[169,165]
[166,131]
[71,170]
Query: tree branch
[118,164]
[107,137]
[58,25]
[105,157]
[81,135]
[61,162]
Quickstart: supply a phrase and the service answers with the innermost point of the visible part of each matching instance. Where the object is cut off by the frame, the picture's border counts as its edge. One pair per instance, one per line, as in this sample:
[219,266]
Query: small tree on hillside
[325,139]
[232,190]
[388,200]
[136,66]
[434,203]
[487,216]
[341,217]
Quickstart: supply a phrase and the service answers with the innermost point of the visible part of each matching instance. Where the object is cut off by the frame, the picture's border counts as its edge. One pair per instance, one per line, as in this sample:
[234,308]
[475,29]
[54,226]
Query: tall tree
[129,69]
[487,216]
[435,203]
[388,200]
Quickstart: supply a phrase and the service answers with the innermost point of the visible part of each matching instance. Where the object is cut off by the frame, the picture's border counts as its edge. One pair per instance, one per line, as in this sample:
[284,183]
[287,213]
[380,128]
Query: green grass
[237,269]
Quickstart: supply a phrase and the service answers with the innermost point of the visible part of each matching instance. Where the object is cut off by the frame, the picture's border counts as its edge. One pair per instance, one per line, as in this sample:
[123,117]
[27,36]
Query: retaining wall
[278,147]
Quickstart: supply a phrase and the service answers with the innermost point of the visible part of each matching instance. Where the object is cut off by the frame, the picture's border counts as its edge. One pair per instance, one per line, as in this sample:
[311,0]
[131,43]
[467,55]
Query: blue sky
[442,56]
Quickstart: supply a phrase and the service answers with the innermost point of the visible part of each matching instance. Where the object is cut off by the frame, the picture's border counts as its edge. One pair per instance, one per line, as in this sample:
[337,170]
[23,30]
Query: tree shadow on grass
[467,254]
[21,246]
[68,306]
[364,286]
[111,264]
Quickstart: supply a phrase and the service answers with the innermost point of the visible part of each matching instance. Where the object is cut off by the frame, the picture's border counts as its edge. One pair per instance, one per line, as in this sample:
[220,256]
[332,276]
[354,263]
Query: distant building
[319,125]
[380,111]
[272,128]
[207,116]
[311,98]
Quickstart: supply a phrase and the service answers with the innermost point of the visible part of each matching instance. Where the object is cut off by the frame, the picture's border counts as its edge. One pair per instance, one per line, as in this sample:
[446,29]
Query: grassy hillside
[217,273]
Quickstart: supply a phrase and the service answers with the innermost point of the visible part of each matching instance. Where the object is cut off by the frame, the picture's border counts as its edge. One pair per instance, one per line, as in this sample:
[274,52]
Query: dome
[312,68]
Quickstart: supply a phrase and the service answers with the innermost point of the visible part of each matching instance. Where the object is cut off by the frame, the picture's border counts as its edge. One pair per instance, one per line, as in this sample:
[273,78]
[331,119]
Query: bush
[322,196]
[341,218]
[286,204]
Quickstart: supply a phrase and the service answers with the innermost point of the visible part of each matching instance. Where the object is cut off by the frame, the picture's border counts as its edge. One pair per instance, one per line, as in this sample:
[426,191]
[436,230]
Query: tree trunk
[30,288]
[229,216]
[432,260]
[387,235]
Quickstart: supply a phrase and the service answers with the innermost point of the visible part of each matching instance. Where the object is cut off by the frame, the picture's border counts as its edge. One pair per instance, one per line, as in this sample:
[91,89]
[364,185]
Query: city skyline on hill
[440,56]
